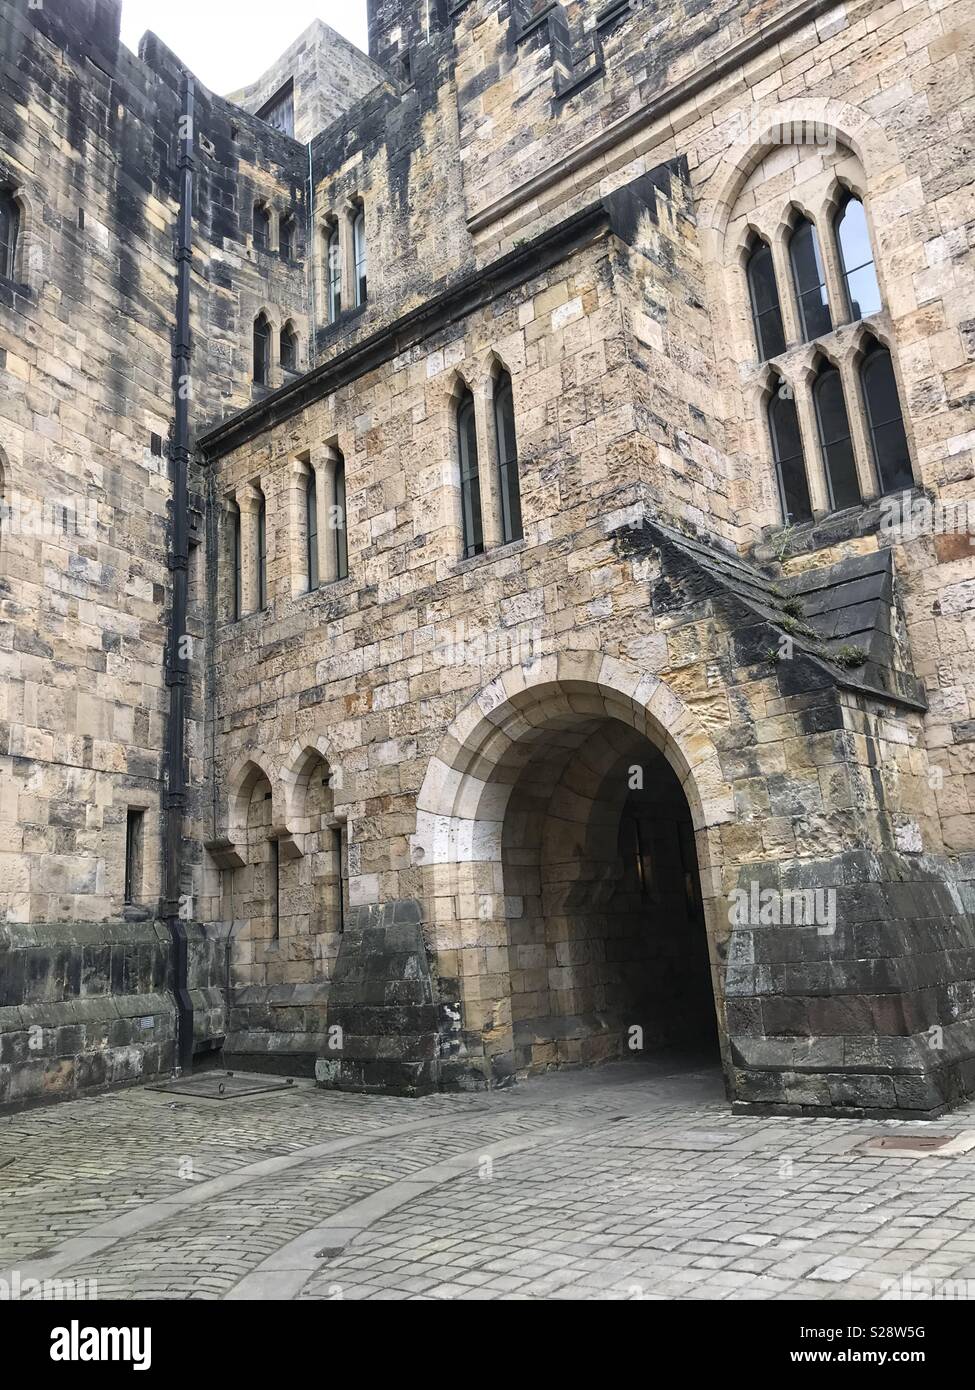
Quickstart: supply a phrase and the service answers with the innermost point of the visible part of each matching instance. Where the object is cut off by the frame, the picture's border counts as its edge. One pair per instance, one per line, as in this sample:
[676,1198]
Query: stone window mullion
[809,430]
[788,307]
[324,466]
[298,495]
[346,221]
[487,453]
[835,285]
[232,529]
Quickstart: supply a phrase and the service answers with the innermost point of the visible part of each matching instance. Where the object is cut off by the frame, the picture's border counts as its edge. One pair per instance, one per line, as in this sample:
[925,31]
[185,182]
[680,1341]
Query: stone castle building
[485,571]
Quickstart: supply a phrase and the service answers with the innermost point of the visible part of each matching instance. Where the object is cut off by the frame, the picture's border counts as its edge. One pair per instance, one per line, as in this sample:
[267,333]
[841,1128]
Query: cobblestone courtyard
[633,1181]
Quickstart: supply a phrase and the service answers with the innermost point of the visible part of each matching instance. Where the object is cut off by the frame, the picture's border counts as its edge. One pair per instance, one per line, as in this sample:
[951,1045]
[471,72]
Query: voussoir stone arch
[302,758]
[848,124]
[249,769]
[462,802]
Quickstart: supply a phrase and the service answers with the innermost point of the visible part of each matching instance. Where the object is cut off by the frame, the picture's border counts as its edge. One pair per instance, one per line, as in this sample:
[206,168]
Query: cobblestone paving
[633,1181]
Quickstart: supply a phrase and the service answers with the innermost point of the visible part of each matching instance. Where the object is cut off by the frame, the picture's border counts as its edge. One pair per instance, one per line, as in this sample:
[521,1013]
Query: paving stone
[558,1224]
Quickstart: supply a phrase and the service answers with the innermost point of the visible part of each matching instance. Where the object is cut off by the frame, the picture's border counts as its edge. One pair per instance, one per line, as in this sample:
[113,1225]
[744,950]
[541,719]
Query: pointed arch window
[289,348]
[262,227]
[333,264]
[888,439]
[262,350]
[262,553]
[237,597]
[764,295]
[790,462]
[339,520]
[311,530]
[509,485]
[856,259]
[359,255]
[470,484]
[835,440]
[809,278]
[286,239]
[9,232]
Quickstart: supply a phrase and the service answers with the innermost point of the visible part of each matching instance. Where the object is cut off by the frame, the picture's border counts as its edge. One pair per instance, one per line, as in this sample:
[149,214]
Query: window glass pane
[359,249]
[262,555]
[887,434]
[856,257]
[341,529]
[8,236]
[505,418]
[261,353]
[766,313]
[810,281]
[863,292]
[470,490]
[288,349]
[261,227]
[238,577]
[509,482]
[789,460]
[279,112]
[311,498]
[834,438]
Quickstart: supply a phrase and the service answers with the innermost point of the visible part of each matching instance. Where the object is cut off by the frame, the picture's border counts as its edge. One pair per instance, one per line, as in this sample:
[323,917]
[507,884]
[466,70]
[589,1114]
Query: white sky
[229,43]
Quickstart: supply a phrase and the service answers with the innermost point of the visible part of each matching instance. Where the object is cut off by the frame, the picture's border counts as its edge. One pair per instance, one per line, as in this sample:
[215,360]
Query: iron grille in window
[279,112]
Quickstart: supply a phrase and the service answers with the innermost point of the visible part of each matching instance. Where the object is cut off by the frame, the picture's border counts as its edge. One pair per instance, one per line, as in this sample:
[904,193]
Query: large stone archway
[604,951]
[816,1009]
[532,919]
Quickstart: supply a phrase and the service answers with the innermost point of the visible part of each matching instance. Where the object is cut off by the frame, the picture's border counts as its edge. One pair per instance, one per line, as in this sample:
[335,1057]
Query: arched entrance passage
[606,942]
[569,836]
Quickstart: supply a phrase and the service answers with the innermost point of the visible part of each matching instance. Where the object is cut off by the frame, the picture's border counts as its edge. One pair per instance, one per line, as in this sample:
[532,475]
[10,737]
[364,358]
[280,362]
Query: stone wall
[666,410]
[791,766]
[564,195]
[89,147]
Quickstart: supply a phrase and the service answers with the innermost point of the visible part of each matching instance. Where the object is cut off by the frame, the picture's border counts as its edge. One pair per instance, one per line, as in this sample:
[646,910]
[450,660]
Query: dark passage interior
[608,951]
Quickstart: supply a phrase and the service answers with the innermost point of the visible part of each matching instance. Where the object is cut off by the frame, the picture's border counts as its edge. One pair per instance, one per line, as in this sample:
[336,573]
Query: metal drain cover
[222,1085]
[907,1144]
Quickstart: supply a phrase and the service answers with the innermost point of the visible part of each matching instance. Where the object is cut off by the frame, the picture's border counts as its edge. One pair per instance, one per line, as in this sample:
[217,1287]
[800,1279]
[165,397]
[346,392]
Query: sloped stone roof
[847,605]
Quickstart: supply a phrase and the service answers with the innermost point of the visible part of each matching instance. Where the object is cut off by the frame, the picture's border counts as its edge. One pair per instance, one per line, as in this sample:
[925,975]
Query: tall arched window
[509,485]
[887,437]
[9,229]
[810,281]
[262,350]
[262,553]
[834,438]
[359,255]
[236,561]
[470,484]
[339,520]
[286,239]
[262,227]
[289,347]
[333,268]
[790,463]
[856,259]
[764,295]
[311,529]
